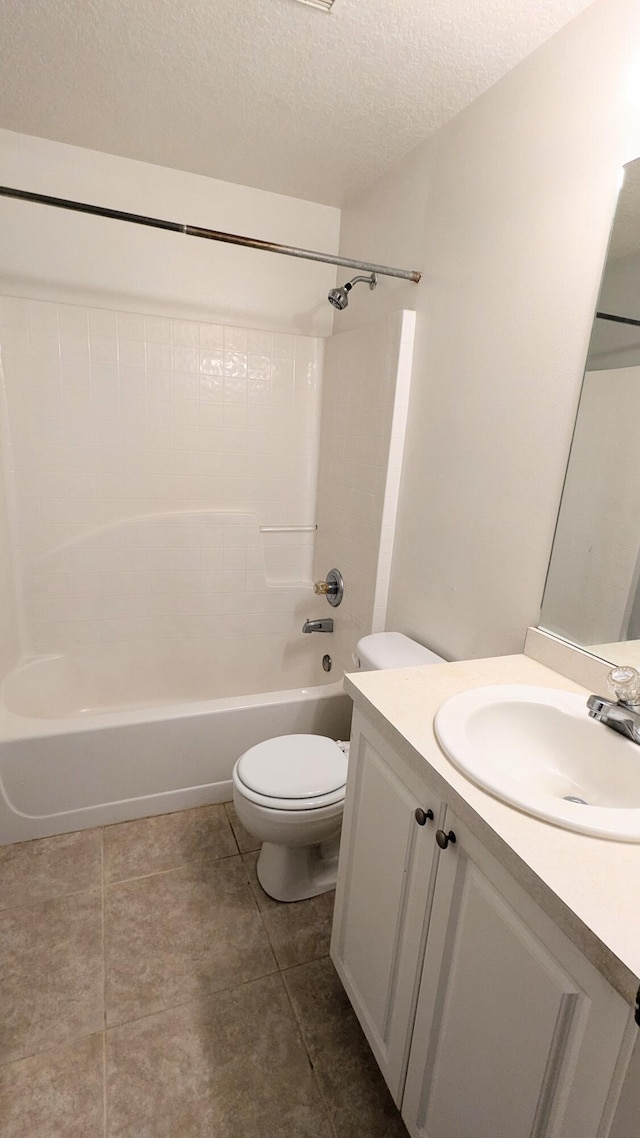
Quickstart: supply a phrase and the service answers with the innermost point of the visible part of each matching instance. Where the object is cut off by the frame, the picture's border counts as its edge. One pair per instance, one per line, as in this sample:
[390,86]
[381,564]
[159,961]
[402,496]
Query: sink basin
[537,749]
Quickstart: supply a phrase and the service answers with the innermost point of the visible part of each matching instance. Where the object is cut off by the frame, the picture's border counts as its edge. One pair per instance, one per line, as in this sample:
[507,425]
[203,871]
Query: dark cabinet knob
[422,815]
[444,839]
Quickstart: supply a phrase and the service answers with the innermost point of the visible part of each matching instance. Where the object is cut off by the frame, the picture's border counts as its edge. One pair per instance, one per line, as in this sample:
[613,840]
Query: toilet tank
[392,650]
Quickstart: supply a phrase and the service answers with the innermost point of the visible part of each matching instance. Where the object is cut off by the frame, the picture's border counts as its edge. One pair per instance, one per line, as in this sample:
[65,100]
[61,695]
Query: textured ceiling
[269,93]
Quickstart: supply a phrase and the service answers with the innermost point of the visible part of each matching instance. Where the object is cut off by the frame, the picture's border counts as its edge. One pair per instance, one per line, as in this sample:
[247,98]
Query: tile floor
[150,989]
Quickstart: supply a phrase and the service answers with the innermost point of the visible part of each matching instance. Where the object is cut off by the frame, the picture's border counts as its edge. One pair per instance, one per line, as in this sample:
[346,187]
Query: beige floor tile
[168,841]
[56,1094]
[50,867]
[178,936]
[51,979]
[232,1066]
[246,841]
[353,1088]
[300,930]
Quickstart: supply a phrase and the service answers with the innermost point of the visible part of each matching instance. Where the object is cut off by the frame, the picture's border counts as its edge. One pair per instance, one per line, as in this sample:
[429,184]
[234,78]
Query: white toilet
[289,791]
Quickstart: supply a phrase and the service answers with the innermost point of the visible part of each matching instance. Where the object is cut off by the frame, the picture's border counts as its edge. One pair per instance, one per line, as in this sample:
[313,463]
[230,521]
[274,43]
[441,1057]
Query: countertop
[589,886]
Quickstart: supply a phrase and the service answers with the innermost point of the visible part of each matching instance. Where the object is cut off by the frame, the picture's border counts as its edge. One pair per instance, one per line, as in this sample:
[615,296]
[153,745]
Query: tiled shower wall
[147,453]
[367,374]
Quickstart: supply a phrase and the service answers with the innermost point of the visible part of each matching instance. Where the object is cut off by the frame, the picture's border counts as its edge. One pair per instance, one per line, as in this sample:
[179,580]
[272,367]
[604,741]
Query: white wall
[52,254]
[365,389]
[507,211]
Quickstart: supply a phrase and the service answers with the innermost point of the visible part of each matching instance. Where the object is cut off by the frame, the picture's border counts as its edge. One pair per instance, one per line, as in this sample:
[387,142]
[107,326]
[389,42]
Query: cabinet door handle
[444,839]
[422,815]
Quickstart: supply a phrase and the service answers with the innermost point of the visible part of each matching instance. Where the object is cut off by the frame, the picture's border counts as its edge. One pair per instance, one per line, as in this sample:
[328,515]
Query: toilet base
[294,873]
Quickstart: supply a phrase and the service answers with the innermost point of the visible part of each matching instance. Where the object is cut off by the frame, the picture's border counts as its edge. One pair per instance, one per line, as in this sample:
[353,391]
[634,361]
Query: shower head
[339,297]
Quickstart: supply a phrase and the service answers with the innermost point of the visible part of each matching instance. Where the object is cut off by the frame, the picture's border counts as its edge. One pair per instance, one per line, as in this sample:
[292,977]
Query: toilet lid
[294,766]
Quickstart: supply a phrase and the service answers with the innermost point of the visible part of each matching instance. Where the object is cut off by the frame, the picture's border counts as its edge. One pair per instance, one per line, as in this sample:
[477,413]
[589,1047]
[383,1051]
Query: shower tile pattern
[145,453]
[234,1021]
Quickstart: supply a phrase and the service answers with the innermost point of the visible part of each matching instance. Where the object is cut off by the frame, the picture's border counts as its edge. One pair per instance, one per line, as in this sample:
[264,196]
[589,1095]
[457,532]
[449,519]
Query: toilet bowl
[289,791]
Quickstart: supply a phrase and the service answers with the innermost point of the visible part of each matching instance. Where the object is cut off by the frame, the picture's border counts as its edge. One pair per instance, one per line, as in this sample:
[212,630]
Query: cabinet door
[383,896]
[516,1034]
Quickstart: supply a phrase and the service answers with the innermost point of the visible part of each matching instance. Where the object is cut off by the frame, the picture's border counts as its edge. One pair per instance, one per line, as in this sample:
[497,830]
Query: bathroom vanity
[492,958]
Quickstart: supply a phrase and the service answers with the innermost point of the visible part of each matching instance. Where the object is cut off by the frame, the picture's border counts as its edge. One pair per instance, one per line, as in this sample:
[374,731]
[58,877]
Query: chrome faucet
[623,713]
[325,625]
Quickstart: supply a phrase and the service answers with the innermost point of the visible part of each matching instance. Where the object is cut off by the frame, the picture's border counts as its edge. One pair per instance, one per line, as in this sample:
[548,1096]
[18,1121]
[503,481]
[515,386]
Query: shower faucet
[325,625]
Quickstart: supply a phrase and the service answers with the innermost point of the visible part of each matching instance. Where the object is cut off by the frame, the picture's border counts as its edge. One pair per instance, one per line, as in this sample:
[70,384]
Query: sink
[537,749]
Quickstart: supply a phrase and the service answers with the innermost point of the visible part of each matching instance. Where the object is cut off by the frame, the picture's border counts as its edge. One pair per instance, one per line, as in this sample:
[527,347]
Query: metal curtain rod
[208,234]
[618,319]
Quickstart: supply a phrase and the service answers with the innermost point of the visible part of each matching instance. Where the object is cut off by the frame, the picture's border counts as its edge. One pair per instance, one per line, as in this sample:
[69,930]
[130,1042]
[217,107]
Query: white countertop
[589,886]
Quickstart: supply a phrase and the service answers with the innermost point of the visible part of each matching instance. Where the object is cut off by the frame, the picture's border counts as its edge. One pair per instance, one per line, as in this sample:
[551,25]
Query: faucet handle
[332,588]
[624,683]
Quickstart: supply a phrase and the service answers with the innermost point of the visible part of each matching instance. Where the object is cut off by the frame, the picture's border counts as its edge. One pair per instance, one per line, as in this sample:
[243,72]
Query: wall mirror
[592,594]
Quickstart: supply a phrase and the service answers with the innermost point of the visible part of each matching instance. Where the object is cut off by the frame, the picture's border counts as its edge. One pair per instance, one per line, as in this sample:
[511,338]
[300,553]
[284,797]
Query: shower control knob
[332,588]
[422,816]
[444,839]
[321,588]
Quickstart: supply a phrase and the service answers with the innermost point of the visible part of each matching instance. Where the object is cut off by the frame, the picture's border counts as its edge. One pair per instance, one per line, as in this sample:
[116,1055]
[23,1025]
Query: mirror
[592,594]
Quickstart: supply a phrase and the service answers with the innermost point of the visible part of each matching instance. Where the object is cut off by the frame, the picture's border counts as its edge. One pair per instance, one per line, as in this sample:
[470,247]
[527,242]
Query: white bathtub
[68,762]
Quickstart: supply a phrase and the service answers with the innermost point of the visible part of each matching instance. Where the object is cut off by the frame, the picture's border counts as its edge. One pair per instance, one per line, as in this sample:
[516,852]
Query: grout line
[105,1115]
[256,849]
[120,881]
[104,959]
[49,900]
[61,1045]
[312,1064]
[174,869]
[230,825]
[196,1000]
[151,817]
[260,913]
[104,990]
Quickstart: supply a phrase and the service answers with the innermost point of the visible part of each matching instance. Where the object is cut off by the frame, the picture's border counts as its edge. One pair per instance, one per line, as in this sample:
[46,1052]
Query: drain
[572,798]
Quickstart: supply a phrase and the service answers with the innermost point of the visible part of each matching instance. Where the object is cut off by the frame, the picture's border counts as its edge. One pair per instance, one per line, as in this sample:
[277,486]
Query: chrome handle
[421,816]
[444,839]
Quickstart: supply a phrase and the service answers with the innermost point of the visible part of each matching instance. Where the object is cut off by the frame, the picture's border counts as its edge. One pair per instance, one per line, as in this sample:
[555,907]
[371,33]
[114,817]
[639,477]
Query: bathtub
[70,758]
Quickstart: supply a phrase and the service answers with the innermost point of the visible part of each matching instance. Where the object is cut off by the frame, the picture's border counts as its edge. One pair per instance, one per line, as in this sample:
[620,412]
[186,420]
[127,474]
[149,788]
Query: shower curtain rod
[208,234]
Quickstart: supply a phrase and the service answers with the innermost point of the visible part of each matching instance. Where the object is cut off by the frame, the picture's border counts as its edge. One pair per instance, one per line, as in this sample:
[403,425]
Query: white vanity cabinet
[385,884]
[487,1022]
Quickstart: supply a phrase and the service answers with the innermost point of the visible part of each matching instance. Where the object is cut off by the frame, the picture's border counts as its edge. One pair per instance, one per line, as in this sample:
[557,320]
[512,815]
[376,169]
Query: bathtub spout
[325,625]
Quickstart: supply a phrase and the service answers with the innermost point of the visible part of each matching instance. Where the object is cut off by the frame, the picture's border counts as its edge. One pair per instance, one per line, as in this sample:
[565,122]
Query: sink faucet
[325,625]
[623,713]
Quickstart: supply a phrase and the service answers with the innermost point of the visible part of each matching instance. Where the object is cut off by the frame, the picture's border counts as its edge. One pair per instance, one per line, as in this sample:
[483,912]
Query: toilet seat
[293,772]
